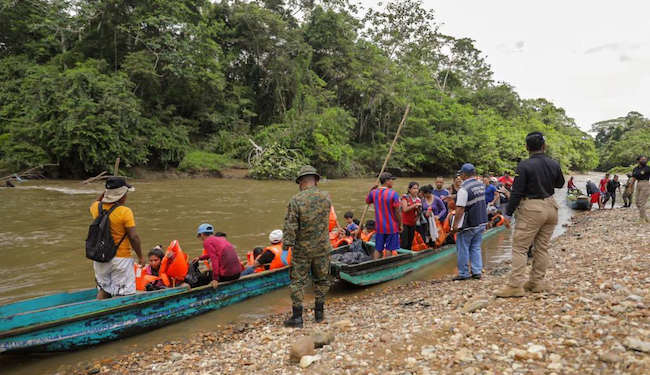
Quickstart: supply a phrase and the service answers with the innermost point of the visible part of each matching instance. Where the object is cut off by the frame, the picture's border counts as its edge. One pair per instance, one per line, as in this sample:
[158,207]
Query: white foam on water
[69,191]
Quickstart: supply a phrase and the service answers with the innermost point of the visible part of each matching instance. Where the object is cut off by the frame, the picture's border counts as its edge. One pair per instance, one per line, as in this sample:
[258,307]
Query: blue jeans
[468,248]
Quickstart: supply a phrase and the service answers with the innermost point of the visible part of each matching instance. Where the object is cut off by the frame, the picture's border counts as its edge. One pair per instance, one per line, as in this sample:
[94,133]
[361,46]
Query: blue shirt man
[490,190]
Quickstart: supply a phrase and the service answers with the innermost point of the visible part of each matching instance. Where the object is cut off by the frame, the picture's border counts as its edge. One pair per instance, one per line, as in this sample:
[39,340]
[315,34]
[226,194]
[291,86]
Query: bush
[198,161]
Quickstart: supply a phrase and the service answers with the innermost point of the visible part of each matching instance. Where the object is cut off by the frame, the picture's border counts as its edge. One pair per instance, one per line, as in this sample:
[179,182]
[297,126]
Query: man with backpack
[110,239]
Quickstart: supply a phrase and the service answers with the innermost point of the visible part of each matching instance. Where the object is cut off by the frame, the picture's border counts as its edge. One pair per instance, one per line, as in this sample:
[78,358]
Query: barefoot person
[306,231]
[532,190]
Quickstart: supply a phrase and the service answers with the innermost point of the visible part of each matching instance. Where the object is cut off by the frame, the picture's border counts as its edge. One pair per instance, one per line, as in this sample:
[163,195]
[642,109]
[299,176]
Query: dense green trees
[157,82]
[621,140]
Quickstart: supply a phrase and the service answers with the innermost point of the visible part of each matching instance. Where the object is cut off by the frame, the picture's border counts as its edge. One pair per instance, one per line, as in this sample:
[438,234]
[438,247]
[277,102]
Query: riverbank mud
[594,319]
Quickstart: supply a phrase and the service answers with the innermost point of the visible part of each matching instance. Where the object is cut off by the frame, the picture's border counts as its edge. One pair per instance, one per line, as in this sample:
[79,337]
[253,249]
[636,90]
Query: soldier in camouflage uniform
[306,231]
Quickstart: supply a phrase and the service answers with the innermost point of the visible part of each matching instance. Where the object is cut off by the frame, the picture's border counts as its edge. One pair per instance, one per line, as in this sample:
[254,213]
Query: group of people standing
[466,207]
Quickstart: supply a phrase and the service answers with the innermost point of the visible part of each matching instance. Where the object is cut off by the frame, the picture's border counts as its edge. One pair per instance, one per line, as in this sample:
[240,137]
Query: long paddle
[390,151]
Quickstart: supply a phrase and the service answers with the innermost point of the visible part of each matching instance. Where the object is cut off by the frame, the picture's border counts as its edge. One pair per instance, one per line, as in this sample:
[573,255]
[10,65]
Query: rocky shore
[595,319]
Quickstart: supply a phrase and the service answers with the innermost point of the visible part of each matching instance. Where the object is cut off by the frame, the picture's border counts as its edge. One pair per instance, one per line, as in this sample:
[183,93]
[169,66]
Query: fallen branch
[89,180]
[30,173]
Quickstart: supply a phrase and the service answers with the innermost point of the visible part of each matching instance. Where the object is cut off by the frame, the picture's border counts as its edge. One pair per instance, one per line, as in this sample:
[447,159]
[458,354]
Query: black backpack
[100,245]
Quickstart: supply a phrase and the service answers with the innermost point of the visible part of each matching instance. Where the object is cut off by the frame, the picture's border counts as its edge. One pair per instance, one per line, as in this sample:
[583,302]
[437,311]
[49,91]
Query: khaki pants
[535,221]
[642,194]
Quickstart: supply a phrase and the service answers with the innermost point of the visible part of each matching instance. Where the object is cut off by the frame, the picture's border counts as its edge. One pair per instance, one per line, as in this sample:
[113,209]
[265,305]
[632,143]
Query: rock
[342,324]
[301,347]
[634,297]
[554,366]
[618,287]
[567,307]
[307,360]
[518,354]
[555,358]
[321,338]
[610,357]
[95,369]
[385,337]
[469,371]
[427,351]
[632,343]
[470,307]
[536,351]
[463,355]
[176,356]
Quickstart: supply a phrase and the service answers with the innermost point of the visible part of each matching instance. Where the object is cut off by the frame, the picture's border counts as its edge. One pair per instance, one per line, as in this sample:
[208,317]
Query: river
[43,225]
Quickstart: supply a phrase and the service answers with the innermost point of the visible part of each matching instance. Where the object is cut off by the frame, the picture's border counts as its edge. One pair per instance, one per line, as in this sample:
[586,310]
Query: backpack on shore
[100,245]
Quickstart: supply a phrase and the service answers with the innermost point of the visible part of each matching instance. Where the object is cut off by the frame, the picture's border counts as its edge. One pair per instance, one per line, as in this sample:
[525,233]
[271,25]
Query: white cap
[493,179]
[588,180]
[276,236]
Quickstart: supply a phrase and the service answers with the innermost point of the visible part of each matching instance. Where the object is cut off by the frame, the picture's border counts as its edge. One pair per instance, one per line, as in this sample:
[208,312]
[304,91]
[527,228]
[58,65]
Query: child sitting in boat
[148,278]
[368,232]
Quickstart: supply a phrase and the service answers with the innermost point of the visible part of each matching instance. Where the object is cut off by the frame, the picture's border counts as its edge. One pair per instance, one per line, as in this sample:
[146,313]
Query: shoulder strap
[110,210]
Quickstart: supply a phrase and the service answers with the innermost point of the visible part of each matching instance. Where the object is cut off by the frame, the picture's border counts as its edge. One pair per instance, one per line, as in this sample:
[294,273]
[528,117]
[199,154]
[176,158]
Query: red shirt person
[223,257]
[506,179]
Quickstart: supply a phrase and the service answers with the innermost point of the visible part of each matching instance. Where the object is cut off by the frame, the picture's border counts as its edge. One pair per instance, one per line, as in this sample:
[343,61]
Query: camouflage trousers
[300,269]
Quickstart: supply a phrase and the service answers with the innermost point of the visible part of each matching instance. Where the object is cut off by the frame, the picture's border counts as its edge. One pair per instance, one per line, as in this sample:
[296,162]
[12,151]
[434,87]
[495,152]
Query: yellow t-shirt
[120,219]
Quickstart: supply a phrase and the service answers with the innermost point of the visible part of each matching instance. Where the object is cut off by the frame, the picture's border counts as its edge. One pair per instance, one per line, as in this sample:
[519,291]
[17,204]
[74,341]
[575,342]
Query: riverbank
[594,319]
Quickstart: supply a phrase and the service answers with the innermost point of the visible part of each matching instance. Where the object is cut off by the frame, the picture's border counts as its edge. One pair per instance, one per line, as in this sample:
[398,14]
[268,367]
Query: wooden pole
[117,167]
[390,151]
[99,176]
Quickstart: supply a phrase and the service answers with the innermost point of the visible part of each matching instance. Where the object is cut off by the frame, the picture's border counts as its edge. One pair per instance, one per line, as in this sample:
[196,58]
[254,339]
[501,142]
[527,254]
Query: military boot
[319,312]
[295,320]
[509,291]
[534,287]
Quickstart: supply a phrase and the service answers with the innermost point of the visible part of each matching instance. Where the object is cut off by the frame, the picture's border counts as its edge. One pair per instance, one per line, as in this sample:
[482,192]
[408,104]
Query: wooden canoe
[381,270]
[72,321]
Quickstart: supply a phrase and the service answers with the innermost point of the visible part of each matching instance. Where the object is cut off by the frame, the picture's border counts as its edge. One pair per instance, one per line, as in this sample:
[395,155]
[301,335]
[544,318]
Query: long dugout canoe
[73,321]
[382,270]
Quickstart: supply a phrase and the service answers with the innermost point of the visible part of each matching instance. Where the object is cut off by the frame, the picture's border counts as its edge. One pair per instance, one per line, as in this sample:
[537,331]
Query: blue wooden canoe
[381,270]
[72,321]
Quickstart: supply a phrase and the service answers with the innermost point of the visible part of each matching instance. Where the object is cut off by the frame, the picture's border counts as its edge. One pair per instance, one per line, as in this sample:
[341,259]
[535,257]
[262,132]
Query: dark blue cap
[466,168]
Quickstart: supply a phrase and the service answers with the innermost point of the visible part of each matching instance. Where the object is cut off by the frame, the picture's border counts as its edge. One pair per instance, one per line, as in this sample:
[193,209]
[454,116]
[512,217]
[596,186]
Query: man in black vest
[471,219]
[641,175]
[533,188]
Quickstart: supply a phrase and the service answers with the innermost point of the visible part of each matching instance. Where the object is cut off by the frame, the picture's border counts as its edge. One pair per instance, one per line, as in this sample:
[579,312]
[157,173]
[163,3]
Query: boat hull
[395,267]
[123,321]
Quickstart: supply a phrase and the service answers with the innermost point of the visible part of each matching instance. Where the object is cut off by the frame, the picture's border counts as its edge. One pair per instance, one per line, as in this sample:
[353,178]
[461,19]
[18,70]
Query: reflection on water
[44,224]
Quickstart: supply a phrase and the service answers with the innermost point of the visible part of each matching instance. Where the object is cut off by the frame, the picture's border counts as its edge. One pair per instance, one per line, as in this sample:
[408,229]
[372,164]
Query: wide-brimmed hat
[116,188]
[307,170]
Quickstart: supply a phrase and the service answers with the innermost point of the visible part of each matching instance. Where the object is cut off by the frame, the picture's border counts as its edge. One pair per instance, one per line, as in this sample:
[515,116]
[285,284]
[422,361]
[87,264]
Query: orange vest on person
[418,243]
[342,242]
[173,271]
[332,222]
[277,261]
[502,220]
[365,237]
[250,257]
[142,279]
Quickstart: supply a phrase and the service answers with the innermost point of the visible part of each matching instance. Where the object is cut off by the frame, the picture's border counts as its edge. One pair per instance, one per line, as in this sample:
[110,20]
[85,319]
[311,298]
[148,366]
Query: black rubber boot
[319,312]
[296,320]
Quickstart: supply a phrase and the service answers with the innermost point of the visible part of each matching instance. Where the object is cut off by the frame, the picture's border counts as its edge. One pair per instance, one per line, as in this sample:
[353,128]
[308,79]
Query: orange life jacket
[173,271]
[367,236]
[342,242]
[250,257]
[277,260]
[142,279]
[502,220]
[332,221]
[418,243]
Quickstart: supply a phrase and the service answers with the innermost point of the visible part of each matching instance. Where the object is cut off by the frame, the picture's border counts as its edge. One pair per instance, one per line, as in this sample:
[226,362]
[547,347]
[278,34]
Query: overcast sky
[590,57]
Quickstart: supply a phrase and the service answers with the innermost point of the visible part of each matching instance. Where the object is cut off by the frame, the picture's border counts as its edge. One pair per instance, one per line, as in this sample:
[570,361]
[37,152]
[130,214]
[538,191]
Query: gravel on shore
[595,319]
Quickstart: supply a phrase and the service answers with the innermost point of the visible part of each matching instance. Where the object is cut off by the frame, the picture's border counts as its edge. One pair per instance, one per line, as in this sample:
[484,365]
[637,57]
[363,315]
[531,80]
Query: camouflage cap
[307,170]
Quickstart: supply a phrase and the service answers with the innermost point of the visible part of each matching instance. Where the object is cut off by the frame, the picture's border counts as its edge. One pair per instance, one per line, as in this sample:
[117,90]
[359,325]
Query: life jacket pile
[418,243]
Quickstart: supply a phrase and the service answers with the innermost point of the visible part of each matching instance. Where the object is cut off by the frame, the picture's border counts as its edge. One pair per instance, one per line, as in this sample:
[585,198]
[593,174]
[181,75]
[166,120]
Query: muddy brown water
[43,225]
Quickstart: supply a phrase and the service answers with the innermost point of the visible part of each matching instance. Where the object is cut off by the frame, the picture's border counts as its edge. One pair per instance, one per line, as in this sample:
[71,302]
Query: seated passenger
[174,266]
[351,226]
[273,256]
[225,263]
[368,232]
[148,277]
